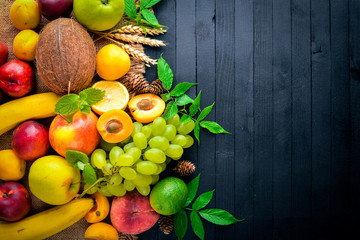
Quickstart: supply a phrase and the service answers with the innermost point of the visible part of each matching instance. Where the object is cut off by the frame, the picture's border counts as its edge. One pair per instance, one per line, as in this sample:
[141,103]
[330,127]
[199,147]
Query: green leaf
[203,200]
[67,104]
[170,110]
[84,107]
[192,187]
[197,131]
[205,112]
[180,224]
[130,8]
[89,175]
[181,88]
[73,157]
[218,216]
[213,127]
[165,73]
[150,3]
[194,108]
[185,118]
[93,95]
[80,165]
[165,96]
[149,16]
[197,225]
[184,100]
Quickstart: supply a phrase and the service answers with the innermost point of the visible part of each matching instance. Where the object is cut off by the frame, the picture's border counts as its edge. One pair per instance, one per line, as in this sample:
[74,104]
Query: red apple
[17,78]
[30,140]
[15,201]
[3,53]
[80,134]
[132,213]
[52,9]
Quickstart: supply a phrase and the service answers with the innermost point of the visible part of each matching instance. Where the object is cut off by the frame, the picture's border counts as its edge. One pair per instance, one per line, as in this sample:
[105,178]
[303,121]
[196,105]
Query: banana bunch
[46,223]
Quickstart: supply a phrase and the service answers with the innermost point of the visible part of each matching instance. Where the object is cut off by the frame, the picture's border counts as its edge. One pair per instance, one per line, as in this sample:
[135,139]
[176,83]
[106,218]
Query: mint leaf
[67,104]
[197,131]
[149,16]
[185,118]
[165,73]
[213,127]
[194,108]
[218,216]
[205,112]
[192,187]
[183,100]
[84,107]
[89,175]
[130,8]
[203,200]
[93,95]
[150,3]
[181,88]
[197,225]
[170,110]
[73,157]
[180,224]
[165,96]
[80,165]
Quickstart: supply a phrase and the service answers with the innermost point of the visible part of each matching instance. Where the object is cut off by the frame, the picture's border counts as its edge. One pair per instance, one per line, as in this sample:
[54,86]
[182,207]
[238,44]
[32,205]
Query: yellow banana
[35,106]
[46,223]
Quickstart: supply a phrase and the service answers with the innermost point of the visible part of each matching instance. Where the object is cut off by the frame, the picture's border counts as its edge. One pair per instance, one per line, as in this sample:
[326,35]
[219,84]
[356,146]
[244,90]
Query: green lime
[168,196]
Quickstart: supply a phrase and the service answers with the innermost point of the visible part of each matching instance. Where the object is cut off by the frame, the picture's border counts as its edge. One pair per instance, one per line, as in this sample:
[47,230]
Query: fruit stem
[5,195]
[104,1]
[86,190]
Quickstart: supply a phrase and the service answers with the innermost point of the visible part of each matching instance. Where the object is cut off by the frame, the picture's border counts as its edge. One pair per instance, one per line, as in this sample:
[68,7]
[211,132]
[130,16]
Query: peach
[146,107]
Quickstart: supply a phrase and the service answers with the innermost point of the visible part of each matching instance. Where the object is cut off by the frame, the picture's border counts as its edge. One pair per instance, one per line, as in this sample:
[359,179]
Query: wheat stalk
[130,29]
[138,39]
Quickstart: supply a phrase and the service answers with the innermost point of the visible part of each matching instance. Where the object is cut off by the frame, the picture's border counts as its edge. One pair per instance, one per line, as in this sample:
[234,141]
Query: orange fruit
[116,96]
[112,62]
[101,231]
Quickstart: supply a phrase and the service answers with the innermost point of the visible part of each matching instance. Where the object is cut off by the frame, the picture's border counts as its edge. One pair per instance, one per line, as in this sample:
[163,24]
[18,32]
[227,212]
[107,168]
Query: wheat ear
[138,39]
[130,29]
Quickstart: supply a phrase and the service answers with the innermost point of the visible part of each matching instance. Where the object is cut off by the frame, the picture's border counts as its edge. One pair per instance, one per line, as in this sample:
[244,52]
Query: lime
[168,196]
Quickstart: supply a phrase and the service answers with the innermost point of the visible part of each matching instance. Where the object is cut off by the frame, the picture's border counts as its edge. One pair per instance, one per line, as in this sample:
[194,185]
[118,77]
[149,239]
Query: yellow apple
[53,180]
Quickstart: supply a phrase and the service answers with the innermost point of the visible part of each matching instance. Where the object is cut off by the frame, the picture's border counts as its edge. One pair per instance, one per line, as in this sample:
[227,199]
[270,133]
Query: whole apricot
[146,107]
[100,210]
[12,168]
[25,14]
[101,231]
[24,44]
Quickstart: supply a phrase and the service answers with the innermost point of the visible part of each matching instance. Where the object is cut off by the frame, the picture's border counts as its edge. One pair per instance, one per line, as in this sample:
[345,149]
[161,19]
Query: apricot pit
[146,107]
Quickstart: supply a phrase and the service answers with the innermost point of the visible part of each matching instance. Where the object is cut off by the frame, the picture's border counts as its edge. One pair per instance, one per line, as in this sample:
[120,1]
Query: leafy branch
[177,97]
[216,216]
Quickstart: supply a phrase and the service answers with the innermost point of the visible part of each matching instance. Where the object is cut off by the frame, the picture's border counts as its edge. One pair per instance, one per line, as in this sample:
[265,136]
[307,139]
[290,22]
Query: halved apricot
[100,210]
[101,231]
[146,107]
[114,125]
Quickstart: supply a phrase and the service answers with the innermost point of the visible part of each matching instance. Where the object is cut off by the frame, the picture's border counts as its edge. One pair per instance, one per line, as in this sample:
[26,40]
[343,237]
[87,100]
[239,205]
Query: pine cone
[124,236]
[140,84]
[184,168]
[166,224]
[157,88]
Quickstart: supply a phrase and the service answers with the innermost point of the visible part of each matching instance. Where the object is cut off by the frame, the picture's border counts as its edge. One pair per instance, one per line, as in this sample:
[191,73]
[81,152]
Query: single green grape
[129,185]
[140,140]
[174,120]
[125,160]
[158,126]
[103,190]
[107,170]
[146,130]
[135,152]
[115,179]
[114,154]
[128,173]
[186,128]
[155,155]
[142,180]
[129,145]
[155,179]
[158,170]
[159,142]
[92,190]
[125,141]
[98,158]
[170,132]
[168,160]
[174,151]
[163,166]
[143,190]
[136,128]
[189,141]
[179,140]
[116,190]
[146,167]
[106,145]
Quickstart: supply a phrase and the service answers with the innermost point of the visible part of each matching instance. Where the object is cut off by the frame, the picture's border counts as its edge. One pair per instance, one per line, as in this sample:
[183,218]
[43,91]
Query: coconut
[65,56]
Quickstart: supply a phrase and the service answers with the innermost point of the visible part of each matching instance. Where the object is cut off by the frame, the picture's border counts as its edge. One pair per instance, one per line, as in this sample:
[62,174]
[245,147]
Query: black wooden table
[285,76]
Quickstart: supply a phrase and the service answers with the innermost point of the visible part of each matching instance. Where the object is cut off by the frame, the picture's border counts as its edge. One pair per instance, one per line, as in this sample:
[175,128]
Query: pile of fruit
[106,152]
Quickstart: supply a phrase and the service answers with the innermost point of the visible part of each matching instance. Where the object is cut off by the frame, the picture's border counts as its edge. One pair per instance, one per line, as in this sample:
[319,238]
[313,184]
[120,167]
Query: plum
[52,9]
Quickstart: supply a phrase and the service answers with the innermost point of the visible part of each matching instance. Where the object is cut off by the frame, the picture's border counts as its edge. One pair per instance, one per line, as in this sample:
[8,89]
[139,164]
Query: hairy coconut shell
[65,56]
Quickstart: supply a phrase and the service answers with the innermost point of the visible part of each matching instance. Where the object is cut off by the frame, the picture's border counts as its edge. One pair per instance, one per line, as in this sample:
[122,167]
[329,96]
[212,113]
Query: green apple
[53,180]
[98,15]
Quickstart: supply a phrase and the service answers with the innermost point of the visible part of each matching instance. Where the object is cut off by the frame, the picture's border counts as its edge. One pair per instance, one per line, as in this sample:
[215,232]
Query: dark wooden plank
[224,72]
[340,204]
[263,119]
[282,115]
[301,120]
[321,118]
[205,71]
[244,117]
[354,7]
